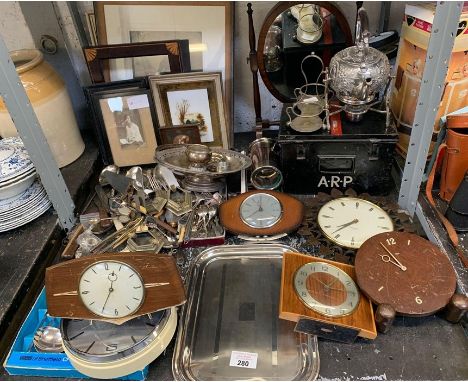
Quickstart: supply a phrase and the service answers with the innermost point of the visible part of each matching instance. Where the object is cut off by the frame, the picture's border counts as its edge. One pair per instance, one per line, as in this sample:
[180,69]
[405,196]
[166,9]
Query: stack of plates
[22,197]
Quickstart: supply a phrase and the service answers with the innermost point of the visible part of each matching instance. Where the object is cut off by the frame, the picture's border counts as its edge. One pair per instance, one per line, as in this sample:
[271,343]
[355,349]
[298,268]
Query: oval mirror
[292,31]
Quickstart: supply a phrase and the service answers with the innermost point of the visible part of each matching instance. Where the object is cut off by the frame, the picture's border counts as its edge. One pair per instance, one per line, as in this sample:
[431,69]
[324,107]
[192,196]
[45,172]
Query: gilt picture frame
[192,98]
[183,134]
[207,24]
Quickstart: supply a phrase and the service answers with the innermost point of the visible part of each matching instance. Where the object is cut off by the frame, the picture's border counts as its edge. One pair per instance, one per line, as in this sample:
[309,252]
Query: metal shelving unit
[30,131]
[440,46]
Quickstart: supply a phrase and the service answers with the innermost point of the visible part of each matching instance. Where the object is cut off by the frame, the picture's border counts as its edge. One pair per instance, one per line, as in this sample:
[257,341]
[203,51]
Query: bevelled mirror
[292,31]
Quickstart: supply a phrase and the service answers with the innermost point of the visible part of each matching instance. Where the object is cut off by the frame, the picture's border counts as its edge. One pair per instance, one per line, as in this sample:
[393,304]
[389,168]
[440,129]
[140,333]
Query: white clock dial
[261,210]
[326,289]
[349,222]
[111,289]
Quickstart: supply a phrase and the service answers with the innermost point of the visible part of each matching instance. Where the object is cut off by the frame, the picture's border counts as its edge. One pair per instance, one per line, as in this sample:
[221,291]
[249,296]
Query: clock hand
[110,291]
[260,208]
[328,286]
[398,264]
[342,226]
[320,281]
[256,212]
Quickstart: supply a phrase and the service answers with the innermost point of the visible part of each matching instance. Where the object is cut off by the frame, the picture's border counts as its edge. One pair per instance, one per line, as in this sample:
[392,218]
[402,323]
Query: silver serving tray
[174,158]
[232,305]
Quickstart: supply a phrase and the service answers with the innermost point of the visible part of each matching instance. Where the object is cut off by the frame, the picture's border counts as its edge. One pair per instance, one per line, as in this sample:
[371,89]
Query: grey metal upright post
[30,131]
[441,42]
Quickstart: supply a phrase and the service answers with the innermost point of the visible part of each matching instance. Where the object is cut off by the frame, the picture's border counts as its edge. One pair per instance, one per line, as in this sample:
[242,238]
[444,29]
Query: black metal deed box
[360,158]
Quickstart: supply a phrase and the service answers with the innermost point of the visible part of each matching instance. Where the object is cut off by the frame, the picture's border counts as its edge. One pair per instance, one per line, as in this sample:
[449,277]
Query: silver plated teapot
[359,73]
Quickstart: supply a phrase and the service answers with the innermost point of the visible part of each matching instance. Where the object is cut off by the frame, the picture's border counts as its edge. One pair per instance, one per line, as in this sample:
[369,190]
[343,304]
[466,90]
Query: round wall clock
[104,350]
[349,222]
[326,289]
[406,271]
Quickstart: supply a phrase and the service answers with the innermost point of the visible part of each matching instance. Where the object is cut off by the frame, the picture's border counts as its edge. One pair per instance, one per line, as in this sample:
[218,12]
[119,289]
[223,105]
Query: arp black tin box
[360,156]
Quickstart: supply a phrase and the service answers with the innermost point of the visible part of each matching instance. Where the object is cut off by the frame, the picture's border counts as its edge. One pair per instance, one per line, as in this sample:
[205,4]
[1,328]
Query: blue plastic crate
[23,359]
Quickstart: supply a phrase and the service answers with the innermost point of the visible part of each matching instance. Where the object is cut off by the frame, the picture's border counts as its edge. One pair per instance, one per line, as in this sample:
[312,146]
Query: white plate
[14,189]
[19,177]
[14,159]
[21,222]
[18,213]
[21,200]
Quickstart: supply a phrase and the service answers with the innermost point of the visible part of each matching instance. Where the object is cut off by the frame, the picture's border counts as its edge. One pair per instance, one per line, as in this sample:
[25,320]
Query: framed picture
[208,25]
[125,123]
[104,64]
[183,134]
[91,25]
[192,98]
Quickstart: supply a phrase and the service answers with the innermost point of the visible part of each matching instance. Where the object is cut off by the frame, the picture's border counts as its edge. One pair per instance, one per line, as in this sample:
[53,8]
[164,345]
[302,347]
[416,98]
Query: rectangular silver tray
[232,305]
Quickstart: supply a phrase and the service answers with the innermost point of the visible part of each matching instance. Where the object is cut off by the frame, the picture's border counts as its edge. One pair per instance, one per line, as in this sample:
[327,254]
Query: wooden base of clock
[162,283]
[345,328]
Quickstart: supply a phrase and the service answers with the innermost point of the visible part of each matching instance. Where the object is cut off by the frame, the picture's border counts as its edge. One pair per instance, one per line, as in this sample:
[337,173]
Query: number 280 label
[243,359]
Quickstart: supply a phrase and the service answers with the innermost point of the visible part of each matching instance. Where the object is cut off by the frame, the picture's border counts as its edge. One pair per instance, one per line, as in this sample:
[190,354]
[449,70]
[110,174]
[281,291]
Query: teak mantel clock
[114,287]
[261,213]
[323,298]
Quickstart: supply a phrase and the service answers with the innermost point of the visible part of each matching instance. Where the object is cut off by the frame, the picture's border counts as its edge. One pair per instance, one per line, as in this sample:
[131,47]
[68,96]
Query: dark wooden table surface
[26,251]
[426,348]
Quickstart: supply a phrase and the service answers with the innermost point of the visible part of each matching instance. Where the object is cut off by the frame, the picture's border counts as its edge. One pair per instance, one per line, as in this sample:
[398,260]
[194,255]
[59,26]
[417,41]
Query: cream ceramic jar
[49,97]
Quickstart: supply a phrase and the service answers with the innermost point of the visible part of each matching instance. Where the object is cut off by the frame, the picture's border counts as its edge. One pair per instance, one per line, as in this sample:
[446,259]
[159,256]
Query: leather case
[457,212]
[455,162]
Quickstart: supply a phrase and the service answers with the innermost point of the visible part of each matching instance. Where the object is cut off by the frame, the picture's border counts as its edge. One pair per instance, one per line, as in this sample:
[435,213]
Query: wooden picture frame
[183,134]
[125,122]
[97,57]
[115,21]
[188,98]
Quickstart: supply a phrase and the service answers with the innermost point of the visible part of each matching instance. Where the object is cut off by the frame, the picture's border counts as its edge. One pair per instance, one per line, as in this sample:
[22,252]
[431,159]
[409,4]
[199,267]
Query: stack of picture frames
[162,74]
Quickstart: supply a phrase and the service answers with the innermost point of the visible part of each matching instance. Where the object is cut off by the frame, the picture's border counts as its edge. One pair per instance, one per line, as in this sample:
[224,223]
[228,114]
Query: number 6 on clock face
[111,289]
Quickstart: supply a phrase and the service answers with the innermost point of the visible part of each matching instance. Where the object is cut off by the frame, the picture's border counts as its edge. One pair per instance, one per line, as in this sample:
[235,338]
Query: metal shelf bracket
[444,30]
[30,131]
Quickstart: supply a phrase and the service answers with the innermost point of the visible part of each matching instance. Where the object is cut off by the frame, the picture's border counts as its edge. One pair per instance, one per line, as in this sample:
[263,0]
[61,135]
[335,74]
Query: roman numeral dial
[349,222]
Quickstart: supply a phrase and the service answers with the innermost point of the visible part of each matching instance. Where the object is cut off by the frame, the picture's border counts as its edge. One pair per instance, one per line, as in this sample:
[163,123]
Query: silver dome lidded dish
[359,73]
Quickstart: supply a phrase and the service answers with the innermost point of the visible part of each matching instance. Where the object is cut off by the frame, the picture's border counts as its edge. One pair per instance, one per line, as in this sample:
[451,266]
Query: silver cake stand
[204,168]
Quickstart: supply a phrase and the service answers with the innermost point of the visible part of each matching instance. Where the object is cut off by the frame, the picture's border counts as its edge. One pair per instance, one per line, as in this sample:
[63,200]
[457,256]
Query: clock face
[261,210]
[406,271]
[326,289]
[91,338]
[349,222]
[111,289]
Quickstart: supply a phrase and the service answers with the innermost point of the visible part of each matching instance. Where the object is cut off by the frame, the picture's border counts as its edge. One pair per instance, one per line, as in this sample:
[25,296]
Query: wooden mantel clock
[323,298]
[261,213]
[113,287]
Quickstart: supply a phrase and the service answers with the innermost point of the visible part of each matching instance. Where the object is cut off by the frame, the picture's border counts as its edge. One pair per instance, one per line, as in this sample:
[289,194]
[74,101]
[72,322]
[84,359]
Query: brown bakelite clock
[405,271]
[261,213]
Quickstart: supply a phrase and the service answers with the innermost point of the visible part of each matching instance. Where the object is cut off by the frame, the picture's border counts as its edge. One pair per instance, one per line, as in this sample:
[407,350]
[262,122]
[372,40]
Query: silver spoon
[102,176]
[48,340]
[136,174]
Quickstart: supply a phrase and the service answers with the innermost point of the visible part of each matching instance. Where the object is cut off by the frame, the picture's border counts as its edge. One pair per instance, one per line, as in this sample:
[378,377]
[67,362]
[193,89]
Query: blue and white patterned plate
[21,200]
[35,213]
[14,159]
[23,210]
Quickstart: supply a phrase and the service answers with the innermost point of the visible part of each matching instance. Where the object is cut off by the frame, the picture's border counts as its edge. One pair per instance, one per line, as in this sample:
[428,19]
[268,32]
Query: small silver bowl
[198,154]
